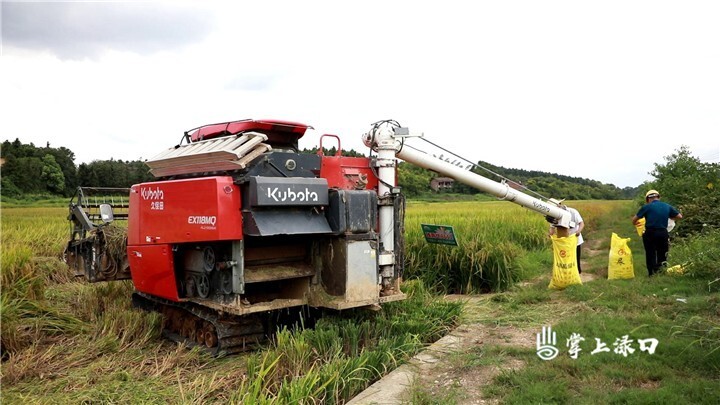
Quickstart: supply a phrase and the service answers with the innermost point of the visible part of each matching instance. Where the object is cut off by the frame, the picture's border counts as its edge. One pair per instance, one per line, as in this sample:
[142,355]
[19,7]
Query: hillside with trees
[573,188]
[415,182]
[31,170]
[28,169]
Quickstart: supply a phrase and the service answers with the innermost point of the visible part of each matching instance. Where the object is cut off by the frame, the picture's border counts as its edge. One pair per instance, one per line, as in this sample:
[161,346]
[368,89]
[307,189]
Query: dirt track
[436,369]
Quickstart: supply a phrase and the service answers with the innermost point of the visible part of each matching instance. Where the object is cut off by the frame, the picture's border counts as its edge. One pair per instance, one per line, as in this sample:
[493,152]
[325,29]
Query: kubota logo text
[150,194]
[278,195]
[202,219]
[541,207]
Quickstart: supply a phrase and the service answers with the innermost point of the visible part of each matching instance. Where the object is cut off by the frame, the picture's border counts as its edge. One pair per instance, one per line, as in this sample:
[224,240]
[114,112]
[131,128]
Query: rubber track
[235,334]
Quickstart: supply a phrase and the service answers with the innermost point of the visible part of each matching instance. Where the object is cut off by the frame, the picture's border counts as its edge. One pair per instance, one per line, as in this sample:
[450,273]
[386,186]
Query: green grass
[34,201]
[685,368]
[452,394]
[681,312]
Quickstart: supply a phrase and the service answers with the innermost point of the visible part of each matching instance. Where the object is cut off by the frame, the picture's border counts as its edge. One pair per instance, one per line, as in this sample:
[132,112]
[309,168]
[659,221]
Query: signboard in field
[440,234]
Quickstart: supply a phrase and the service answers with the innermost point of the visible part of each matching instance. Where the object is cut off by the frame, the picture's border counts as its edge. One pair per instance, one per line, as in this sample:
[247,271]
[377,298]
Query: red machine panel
[152,271]
[348,173]
[179,211]
[276,130]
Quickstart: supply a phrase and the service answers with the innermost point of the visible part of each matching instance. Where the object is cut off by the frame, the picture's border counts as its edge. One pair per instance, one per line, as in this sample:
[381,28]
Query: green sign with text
[440,234]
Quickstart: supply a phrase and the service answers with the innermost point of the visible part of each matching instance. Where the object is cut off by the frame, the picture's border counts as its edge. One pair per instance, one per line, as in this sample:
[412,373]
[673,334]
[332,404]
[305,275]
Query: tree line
[415,182]
[691,186]
[28,169]
[31,170]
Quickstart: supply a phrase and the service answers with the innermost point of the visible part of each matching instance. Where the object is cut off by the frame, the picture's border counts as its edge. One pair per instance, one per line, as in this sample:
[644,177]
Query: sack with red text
[565,271]
[621,261]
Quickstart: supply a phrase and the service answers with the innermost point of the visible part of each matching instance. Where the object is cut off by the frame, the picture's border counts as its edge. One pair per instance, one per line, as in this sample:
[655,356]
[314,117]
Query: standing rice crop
[40,297]
[344,354]
[491,237]
[32,240]
[42,230]
[494,239]
[68,341]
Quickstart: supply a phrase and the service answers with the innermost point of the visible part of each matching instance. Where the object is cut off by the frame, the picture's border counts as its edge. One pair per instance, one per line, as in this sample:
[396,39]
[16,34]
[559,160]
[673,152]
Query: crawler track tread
[234,334]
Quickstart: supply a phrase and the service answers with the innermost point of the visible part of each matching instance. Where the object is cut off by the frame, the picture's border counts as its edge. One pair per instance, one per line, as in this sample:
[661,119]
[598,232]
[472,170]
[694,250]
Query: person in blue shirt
[656,239]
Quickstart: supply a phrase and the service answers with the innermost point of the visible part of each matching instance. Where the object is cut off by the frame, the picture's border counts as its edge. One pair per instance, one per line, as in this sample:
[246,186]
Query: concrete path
[395,387]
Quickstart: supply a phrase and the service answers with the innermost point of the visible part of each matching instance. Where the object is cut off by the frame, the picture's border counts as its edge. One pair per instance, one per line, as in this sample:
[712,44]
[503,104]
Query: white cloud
[81,30]
[600,91]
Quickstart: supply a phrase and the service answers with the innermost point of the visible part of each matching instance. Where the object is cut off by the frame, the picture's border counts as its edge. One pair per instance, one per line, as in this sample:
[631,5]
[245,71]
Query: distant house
[516,185]
[441,183]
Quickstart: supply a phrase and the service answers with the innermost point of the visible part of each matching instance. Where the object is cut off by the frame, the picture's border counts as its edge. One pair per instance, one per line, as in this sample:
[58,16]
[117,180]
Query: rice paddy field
[67,341]
[499,243]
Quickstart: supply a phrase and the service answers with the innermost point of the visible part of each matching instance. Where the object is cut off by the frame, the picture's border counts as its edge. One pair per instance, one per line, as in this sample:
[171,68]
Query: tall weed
[344,354]
[699,255]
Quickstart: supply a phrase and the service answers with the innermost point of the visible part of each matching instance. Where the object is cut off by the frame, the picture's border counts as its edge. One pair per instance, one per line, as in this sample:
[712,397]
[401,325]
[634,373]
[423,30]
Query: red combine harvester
[240,225]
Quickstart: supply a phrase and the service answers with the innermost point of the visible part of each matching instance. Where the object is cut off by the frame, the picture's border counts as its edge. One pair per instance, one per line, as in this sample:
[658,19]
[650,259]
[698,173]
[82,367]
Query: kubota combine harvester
[240,225]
